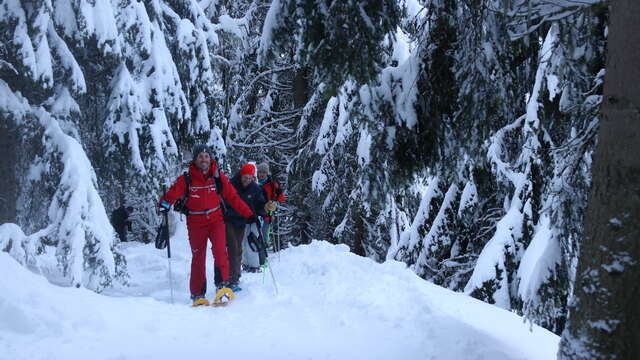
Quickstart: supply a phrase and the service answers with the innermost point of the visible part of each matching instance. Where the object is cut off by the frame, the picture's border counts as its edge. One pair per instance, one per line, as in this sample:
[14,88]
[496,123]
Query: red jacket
[203,194]
[270,188]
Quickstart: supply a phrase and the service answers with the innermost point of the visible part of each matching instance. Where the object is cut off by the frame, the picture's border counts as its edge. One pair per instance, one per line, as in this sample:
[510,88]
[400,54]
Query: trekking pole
[278,236]
[273,278]
[270,233]
[266,261]
[169,260]
[166,224]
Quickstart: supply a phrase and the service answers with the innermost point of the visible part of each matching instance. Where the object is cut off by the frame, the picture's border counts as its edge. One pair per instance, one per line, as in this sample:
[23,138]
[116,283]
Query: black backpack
[258,245]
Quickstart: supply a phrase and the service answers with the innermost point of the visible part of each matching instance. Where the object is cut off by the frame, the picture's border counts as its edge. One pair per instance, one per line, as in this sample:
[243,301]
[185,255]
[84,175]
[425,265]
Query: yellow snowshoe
[200,301]
[223,297]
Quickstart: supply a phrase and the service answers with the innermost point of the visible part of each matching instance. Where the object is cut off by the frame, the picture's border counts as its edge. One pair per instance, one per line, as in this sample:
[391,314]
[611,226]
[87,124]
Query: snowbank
[331,305]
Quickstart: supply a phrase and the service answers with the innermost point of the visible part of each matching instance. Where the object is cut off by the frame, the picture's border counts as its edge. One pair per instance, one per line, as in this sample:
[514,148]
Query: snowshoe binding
[199,300]
[224,296]
[235,287]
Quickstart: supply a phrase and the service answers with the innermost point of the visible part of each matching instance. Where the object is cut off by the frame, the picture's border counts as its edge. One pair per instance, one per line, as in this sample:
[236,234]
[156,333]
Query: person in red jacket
[273,193]
[205,220]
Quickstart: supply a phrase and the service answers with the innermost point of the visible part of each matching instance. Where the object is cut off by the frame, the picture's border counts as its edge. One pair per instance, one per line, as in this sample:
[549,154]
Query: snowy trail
[331,305]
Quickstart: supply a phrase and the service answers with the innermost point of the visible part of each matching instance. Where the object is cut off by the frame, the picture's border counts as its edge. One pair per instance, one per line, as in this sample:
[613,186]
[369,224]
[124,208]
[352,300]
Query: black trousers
[234,236]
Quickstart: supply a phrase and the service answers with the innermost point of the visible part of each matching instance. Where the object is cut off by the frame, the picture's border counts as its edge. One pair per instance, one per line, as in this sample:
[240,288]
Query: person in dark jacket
[252,194]
[120,221]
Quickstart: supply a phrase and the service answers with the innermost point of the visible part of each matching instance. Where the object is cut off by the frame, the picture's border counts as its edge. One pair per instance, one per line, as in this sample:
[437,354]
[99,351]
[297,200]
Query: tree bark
[301,88]
[9,142]
[604,318]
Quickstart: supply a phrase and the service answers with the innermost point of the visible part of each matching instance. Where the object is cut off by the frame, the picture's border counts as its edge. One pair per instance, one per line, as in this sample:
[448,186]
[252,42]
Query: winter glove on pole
[253,219]
[162,237]
[164,205]
[270,206]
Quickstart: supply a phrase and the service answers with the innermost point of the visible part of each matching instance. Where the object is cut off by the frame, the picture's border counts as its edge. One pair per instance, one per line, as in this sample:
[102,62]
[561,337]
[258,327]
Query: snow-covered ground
[331,305]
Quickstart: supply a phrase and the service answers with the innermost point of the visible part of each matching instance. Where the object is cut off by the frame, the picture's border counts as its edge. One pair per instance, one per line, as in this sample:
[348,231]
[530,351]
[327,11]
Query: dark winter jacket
[252,195]
[120,221]
[119,218]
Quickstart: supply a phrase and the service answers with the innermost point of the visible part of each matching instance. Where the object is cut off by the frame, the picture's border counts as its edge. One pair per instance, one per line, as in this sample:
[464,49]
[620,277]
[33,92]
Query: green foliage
[339,40]
[488,288]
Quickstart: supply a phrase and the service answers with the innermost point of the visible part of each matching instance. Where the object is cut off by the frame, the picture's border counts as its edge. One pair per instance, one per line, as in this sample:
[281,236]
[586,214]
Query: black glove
[164,206]
[253,219]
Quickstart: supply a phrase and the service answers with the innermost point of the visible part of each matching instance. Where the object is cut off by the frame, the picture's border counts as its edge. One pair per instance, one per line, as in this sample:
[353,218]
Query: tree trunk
[9,142]
[300,88]
[604,320]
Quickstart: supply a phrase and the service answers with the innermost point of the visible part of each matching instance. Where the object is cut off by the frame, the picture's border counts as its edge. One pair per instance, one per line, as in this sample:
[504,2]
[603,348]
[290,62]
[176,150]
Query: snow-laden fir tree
[396,127]
[493,72]
[132,83]
[345,214]
[58,203]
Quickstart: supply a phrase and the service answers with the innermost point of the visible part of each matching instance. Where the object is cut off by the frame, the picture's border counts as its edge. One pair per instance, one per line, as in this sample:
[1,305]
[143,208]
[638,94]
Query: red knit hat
[248,169]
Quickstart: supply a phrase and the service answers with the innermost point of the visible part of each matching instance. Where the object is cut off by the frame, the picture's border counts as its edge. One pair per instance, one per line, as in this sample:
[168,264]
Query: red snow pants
[202,228]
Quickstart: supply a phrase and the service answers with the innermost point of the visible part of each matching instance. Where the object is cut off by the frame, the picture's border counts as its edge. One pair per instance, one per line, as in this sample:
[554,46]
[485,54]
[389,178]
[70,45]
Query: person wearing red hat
[201,189]
[251,193]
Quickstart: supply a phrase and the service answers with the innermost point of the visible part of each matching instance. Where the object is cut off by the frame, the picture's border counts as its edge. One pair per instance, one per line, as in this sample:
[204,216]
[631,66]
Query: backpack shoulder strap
[218,185]
[187,179]
[217,179]
[218,182]
[273,189]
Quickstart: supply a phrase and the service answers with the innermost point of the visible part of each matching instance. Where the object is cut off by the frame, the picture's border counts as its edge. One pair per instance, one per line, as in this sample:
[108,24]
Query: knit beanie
[248,169]
[263,167]
[197,149]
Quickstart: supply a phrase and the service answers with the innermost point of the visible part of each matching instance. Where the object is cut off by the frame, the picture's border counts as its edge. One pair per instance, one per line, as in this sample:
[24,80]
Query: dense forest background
[454,136]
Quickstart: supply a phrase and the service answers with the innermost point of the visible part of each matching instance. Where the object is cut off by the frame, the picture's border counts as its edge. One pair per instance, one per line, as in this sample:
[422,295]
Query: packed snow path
[331,305]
